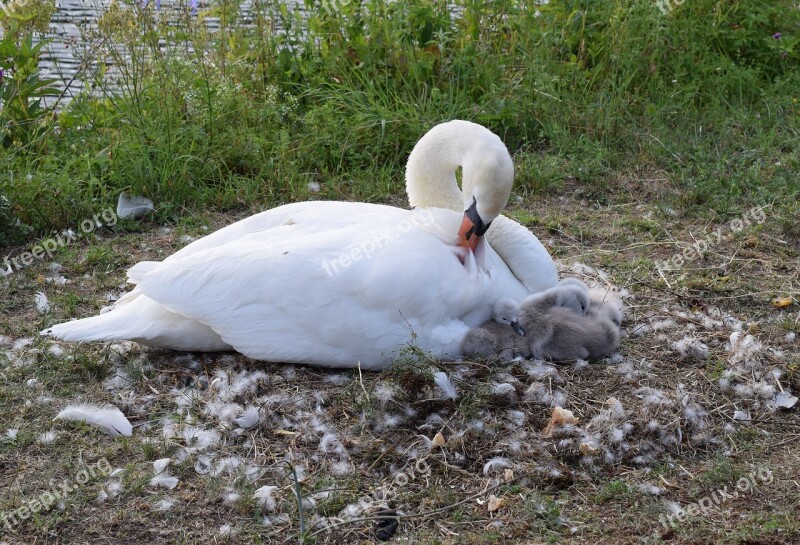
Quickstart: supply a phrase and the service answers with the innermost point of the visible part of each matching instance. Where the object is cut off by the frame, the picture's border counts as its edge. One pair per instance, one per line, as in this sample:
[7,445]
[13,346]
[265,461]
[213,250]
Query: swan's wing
[263,221]
[329,285]
[523,253]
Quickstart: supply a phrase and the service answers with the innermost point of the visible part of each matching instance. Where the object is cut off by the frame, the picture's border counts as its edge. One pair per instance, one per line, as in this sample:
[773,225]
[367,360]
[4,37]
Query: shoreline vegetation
[702,97]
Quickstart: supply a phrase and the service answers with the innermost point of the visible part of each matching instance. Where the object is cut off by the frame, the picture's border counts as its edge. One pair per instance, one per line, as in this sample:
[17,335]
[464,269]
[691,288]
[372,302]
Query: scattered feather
[228,465]
[166,481]
[741,416]
[691,348]
[203,464]
[198,439]
[265,496]
[160,466]
[384,393]
[42,304]
[504,393]
[133,207]
[650,489]
[785,400]
[19,344]
[162,478]
[445,385]
[114,488]
[110,419]
[341,467]
[164,505]
[231,496]
[249,419]
[495,464]
[47,437]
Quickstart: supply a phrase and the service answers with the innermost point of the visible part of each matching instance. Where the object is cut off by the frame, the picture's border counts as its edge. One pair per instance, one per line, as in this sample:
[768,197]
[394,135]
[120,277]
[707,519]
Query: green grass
[578,90]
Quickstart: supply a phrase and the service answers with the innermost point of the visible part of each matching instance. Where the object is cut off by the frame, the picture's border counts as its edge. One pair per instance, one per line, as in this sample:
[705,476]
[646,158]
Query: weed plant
[337,91]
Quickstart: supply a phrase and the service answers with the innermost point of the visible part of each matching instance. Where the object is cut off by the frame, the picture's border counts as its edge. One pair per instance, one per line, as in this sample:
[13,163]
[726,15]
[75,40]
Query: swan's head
[506,312]
[488,174]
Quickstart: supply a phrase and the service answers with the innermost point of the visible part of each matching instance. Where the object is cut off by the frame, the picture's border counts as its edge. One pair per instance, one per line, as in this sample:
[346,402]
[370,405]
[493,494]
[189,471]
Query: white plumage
[445,385]
[42,304]
[110,419]
[132,206]
[249,418]
[266,497]
[336,284]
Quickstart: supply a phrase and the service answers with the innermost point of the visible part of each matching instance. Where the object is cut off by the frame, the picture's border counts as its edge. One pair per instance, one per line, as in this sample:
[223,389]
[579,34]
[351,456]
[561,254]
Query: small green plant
[23,116]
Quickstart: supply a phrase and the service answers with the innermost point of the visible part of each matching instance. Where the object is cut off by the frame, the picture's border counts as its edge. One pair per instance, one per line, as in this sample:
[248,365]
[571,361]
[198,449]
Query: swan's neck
[432,185]
[487,169]
[431,169]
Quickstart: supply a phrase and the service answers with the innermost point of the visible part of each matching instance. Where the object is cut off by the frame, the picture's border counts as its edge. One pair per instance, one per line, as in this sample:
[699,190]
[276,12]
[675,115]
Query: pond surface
[71,58]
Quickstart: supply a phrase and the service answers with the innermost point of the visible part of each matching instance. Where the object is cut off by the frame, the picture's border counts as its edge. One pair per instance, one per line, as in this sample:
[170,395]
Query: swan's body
[337,284]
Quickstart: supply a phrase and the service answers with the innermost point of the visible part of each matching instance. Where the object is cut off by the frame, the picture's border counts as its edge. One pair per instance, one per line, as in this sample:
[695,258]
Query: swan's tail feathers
[85,330]
[144,321]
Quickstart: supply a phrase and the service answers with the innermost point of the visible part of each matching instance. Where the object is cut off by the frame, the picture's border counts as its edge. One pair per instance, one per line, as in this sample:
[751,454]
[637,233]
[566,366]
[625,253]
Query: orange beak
[467,235]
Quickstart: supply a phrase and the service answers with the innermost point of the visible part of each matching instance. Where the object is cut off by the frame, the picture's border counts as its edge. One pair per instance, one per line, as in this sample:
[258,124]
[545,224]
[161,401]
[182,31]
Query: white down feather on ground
[213,417]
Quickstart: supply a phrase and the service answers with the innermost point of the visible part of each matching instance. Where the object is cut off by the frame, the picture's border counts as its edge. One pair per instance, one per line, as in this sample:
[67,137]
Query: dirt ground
[681,437]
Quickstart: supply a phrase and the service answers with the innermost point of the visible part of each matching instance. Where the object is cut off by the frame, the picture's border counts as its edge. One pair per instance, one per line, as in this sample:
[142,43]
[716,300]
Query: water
[73,56]
[63,57]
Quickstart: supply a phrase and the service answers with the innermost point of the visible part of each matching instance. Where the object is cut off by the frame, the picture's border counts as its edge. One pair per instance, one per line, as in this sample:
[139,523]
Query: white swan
[338,284]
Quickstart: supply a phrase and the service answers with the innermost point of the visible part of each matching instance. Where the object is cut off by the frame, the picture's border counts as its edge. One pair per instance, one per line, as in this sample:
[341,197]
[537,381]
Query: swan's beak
[466,235]
[472,228]
[517,328]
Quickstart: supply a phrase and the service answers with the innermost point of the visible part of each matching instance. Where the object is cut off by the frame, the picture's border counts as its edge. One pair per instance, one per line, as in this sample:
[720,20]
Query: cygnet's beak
[472,228]
[517,328]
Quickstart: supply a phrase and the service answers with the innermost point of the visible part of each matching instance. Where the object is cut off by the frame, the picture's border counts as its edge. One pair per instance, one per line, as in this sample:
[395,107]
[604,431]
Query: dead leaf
[495,503]
[782,302]
[560,417]
[508,475]
[438,440]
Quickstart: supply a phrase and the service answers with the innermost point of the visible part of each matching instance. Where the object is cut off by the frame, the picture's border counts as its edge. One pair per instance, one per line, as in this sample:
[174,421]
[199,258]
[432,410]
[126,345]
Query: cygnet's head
[573,297]
[571,281]
[506,312]
[608,305]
